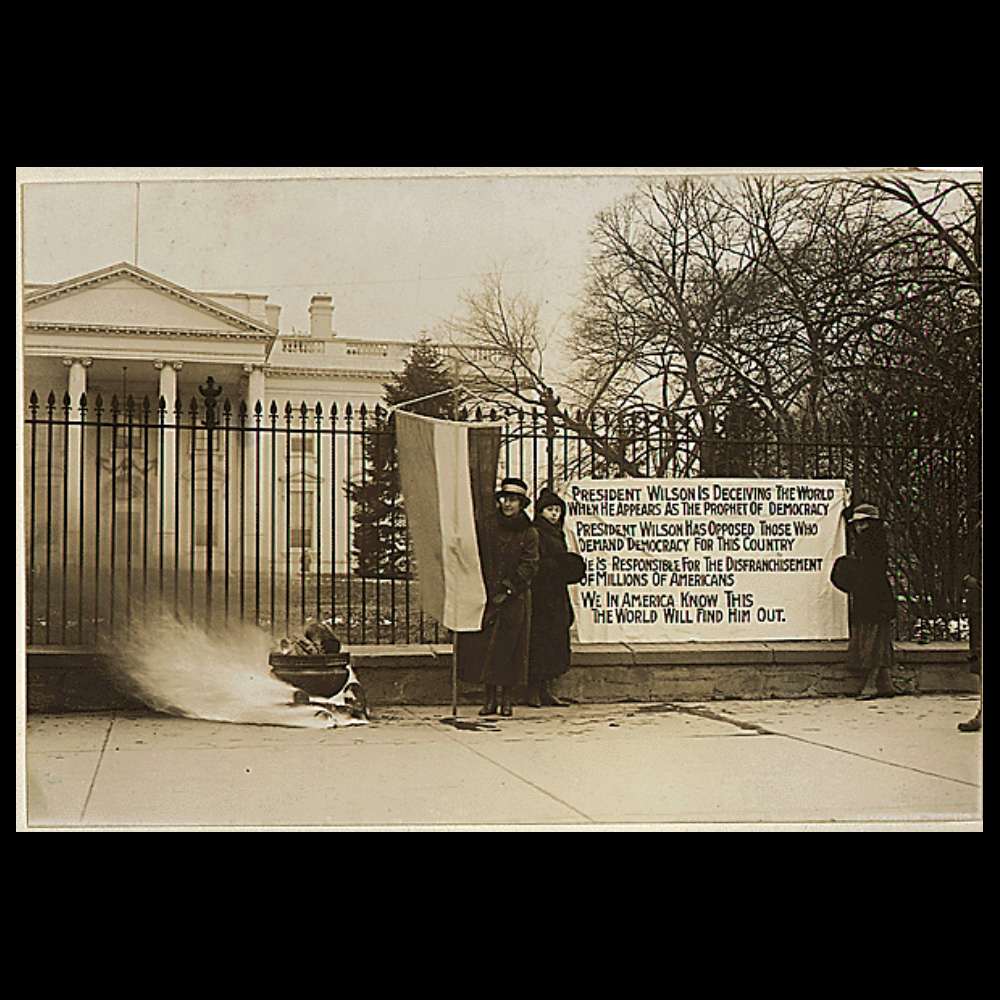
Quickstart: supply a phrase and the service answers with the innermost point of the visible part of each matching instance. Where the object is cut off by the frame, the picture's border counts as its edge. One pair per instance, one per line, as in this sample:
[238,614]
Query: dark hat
[514,487]
[548,498]
[864,512]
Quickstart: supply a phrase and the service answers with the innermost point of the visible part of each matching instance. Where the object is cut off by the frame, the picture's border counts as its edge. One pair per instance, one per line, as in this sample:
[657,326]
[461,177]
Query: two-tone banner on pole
[678,560]
[447,471]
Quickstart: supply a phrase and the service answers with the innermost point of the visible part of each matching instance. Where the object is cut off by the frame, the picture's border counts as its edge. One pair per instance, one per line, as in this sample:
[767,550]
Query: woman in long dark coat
[551,609]
[865,577]
[497,655]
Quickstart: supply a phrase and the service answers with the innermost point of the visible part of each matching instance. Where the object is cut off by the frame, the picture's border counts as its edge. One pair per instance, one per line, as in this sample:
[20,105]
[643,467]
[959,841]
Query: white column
[76,381]
[255,387]
[168,382]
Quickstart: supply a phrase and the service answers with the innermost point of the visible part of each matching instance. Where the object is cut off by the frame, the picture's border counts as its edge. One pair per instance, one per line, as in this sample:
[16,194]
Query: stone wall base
[73,680]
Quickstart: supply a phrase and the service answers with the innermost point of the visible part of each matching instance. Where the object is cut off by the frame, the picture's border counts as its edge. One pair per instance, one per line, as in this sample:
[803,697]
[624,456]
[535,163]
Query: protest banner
[710,560]
[447,470]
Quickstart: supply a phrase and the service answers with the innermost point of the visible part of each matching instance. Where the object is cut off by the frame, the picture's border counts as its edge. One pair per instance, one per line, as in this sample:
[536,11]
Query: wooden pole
[454,638]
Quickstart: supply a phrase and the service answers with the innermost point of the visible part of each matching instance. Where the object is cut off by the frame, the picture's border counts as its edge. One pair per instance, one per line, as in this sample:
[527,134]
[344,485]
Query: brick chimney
[321,316]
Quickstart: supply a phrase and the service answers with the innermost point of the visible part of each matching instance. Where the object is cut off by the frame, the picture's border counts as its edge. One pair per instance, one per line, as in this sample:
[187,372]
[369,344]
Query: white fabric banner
[709,560]
[437,491]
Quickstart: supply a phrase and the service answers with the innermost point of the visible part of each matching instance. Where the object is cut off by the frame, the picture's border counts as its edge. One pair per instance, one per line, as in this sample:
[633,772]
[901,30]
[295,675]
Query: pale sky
[395,252]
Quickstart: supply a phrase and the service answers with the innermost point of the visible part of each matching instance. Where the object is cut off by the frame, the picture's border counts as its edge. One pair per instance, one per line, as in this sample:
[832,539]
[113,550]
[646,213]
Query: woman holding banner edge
[864,575]
[497,655]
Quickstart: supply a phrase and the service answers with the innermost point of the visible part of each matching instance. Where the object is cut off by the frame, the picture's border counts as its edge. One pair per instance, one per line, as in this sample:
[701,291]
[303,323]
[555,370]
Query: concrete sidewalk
[717,765]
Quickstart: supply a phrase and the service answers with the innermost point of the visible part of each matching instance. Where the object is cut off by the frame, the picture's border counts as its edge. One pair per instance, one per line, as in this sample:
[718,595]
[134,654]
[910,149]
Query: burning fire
[220,675]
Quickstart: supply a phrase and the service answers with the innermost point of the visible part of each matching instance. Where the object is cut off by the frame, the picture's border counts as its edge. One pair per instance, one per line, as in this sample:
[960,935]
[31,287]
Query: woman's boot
[884,685]
[869,692]
[490,708]
[548,698]
[505,706]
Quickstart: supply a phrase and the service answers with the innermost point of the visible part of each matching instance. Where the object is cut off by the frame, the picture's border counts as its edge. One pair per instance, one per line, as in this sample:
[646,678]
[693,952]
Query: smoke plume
[221,674]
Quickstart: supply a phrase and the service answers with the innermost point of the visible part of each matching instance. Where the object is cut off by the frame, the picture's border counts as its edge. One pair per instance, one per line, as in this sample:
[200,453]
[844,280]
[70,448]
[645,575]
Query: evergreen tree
[380,548]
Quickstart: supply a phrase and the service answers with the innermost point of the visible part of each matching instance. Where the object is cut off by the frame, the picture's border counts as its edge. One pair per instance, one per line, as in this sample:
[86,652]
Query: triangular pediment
[124,298]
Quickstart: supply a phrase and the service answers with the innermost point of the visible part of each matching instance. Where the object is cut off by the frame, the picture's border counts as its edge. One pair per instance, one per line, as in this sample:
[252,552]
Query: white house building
[132,492]
[122,331]
[114,487]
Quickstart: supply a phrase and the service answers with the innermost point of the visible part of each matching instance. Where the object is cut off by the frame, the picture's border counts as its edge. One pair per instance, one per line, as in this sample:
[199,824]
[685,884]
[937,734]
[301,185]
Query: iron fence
[221,512]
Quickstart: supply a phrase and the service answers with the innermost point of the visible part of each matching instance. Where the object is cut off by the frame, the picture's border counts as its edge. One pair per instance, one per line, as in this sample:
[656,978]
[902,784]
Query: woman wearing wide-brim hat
[864,575]
[497,655]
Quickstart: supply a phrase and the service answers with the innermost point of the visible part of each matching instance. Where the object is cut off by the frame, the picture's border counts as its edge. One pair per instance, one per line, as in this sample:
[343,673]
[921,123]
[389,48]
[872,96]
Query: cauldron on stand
[316,667]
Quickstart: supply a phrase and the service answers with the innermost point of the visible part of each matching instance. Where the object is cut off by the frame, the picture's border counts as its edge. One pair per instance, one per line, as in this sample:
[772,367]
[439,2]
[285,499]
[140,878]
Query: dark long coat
[498,653]
[551,609]
[864,575]
[873,599]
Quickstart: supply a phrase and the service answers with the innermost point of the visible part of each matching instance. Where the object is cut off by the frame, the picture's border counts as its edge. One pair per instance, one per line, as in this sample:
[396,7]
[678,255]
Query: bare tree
[674,283]
[776,294]
[944,210]
[499,342]
[713,303]
[718,294]
[815,253]
[926,337]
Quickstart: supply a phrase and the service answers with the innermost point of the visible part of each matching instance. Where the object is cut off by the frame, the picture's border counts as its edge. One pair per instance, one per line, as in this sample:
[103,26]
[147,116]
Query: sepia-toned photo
[520,499]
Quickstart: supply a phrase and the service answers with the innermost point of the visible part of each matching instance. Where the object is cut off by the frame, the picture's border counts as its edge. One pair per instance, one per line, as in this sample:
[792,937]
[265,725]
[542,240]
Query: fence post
[209,392]
[551,403]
